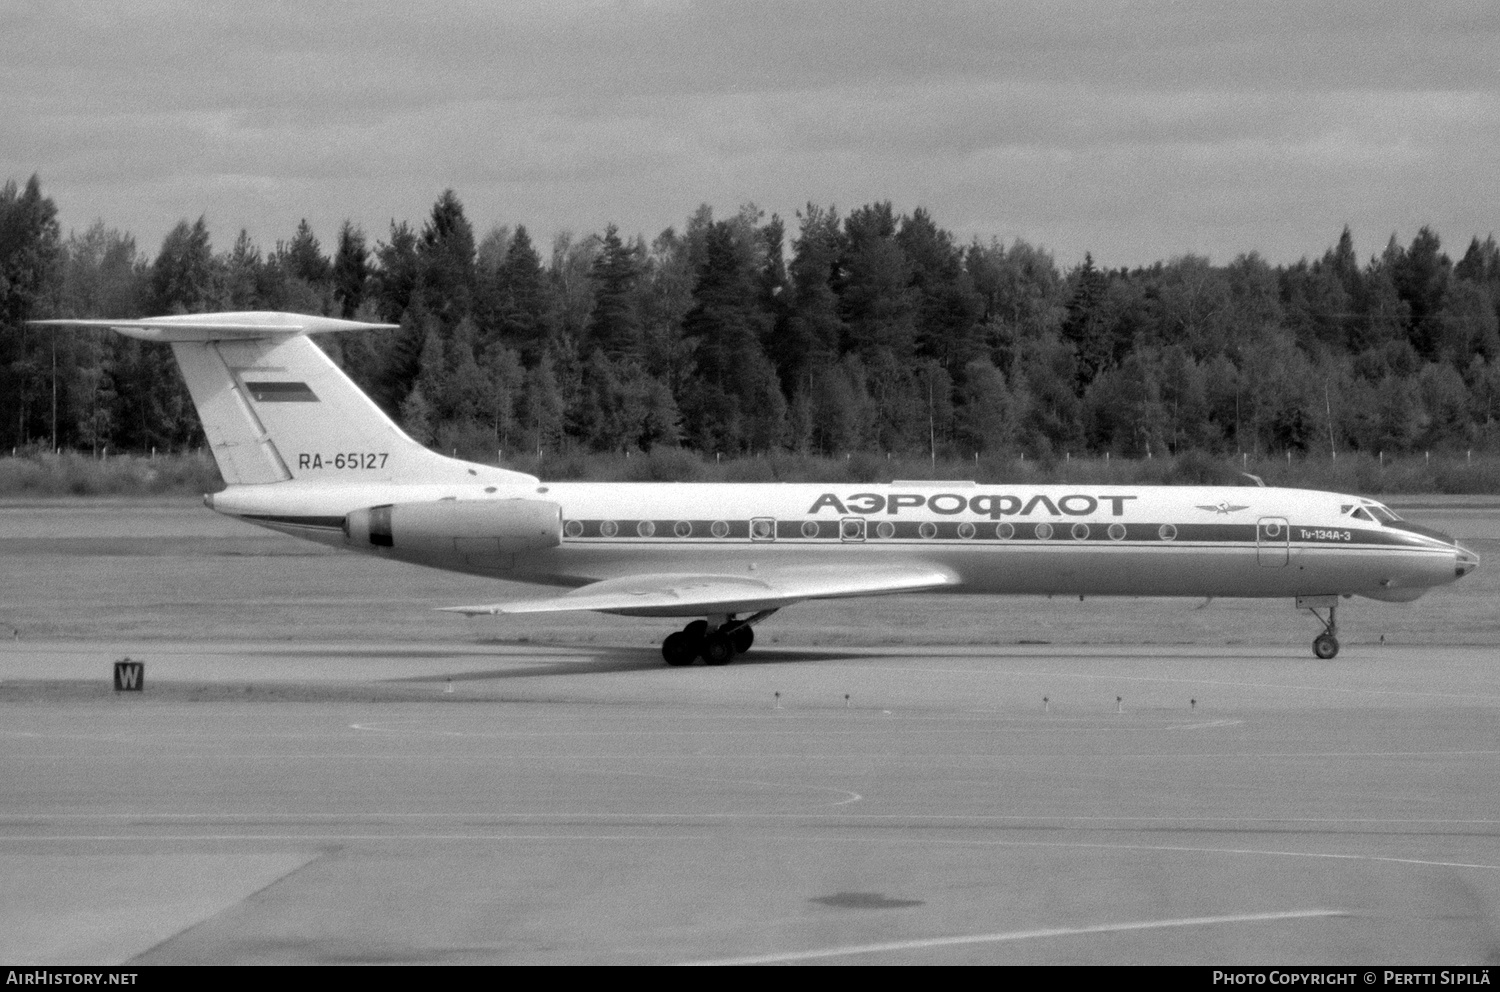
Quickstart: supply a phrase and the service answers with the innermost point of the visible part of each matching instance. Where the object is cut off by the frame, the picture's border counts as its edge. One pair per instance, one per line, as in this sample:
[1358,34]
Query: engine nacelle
[474,529]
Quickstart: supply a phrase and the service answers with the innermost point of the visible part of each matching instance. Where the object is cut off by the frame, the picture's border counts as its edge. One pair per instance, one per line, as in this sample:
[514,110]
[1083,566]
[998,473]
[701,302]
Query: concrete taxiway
[470,803]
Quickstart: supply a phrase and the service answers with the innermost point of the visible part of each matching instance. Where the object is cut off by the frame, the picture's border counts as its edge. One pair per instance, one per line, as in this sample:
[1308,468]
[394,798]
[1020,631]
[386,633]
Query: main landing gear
[716,644]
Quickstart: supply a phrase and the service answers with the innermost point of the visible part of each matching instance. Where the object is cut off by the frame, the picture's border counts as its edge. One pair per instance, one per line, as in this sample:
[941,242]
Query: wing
[689,595]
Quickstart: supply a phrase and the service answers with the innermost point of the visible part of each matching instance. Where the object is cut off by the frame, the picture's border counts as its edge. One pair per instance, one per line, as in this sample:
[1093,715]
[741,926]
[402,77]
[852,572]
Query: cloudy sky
[1135,130]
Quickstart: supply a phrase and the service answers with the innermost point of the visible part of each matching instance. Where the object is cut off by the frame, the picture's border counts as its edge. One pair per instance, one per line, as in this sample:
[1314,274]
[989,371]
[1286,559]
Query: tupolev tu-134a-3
[302,450]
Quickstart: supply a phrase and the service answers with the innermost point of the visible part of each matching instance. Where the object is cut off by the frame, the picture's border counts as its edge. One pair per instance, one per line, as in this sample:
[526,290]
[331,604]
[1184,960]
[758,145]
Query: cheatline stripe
[1029,544]
[1015,935]
[1095,532]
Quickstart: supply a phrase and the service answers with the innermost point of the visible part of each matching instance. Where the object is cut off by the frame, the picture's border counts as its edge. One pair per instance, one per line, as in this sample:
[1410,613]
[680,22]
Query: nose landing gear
[1326,644]
[716,646]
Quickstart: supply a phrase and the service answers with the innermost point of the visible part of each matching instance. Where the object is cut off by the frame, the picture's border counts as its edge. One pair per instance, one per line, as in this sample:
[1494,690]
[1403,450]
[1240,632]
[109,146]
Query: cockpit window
[1381,513]
[1360,513]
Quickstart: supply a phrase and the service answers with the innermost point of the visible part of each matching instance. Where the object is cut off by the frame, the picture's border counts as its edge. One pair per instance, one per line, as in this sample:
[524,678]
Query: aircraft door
[1272,541]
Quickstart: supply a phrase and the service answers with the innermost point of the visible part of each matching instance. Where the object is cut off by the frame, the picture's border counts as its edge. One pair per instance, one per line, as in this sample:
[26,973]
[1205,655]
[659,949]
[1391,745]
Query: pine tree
[446,255]
[666,297]
[182,277]
[1481,263]
[397,278]
[243,281]
[1086,327]
[875,285]
[615,324]
[812,333]
[732,402]
[1421,274]
[351,270]
[30,259]
[303,257]
[522,302]
[948,308]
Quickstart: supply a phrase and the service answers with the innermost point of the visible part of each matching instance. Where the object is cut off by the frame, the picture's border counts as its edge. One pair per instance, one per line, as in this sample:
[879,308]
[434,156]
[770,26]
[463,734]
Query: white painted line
[1182,849]
[996,938]
[297,838]
[958,820]
[1100,676]
[137,838]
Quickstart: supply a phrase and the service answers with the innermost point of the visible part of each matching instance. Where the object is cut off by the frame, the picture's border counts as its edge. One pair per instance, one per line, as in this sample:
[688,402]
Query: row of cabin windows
[854,529]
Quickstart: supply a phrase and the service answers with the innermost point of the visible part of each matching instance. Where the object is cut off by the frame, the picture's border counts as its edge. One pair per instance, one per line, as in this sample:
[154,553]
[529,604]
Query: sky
[1135,131]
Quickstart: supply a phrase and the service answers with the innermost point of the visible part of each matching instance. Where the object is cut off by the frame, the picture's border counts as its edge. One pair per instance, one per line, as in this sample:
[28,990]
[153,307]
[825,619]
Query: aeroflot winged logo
[1223,508]
[992,505]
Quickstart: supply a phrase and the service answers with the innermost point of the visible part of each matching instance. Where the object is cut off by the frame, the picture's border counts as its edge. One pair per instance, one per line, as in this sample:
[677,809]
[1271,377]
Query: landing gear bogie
[715,644]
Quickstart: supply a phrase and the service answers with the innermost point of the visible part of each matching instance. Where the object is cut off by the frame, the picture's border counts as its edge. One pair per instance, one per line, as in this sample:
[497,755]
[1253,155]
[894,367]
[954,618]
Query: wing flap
[682,594]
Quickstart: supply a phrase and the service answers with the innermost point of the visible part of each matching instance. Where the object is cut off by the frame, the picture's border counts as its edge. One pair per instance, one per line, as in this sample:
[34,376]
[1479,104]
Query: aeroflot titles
[991,505]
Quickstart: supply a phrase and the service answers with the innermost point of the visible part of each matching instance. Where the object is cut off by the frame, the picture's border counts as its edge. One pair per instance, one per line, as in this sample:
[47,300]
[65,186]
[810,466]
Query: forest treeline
[869,331]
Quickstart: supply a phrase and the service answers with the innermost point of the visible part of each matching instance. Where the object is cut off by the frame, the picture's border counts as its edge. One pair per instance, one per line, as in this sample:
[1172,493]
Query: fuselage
[995,539]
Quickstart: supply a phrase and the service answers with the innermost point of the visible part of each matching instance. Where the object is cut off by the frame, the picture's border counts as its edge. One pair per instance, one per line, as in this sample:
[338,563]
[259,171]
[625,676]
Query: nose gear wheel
[1326,644]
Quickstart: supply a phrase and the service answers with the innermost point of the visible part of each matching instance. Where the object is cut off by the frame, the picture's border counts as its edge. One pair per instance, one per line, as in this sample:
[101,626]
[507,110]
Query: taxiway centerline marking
[852,818]
[304,838]
[1168,848]
[1222,682]
[1182,849]
[996,938]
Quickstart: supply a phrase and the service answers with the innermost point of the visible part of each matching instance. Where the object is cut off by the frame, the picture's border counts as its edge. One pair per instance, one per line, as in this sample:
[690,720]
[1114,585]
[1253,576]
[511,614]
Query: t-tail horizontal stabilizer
[239,326]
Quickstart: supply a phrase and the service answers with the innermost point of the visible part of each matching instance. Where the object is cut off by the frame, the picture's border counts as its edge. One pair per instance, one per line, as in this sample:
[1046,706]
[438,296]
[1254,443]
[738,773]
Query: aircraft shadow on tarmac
[621,659]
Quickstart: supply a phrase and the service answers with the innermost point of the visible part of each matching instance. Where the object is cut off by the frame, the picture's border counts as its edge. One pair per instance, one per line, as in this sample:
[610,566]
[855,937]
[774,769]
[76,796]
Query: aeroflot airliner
[303,451]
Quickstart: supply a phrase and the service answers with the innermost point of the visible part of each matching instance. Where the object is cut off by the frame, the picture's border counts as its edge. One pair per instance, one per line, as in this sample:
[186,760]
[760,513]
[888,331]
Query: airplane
[303,451]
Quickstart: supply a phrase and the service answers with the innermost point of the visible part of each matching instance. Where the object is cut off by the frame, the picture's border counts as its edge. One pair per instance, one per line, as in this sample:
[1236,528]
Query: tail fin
[276,408]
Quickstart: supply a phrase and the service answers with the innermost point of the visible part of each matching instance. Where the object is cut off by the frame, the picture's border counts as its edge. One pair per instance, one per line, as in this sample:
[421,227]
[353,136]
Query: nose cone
[1464,560]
